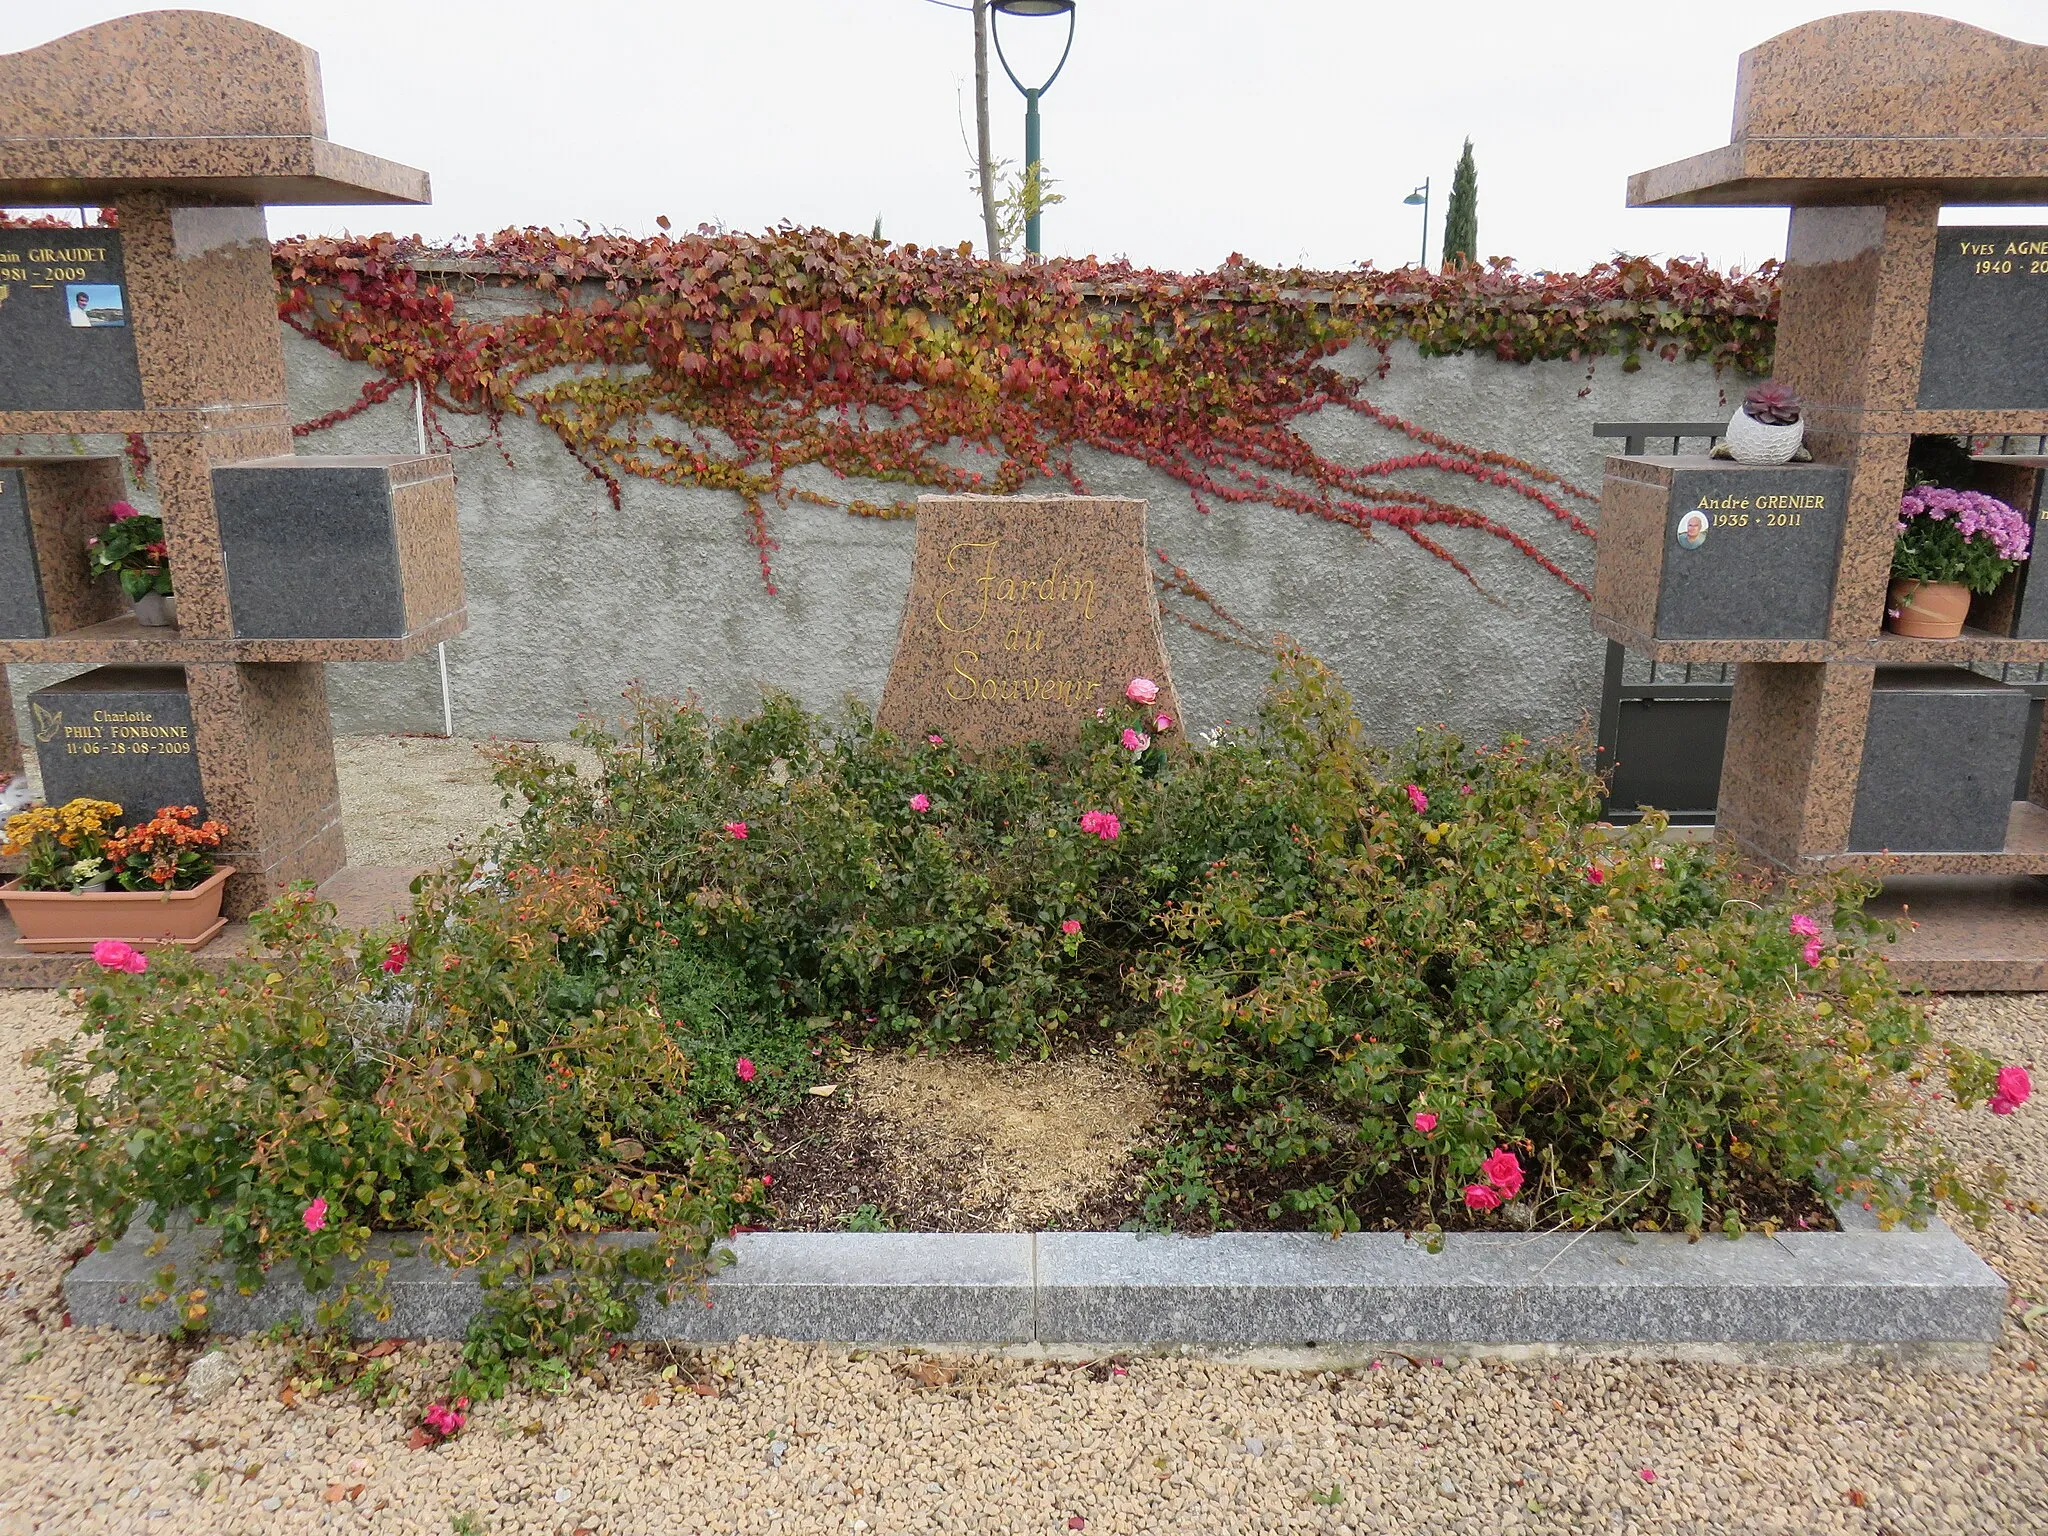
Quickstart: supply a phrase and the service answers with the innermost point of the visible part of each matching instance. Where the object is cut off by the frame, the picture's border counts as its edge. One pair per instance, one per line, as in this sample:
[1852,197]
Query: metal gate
[1663,727]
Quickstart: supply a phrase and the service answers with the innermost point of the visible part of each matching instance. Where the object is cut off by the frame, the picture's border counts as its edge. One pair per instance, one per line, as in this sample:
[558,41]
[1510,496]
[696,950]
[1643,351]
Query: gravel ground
[406,799]
[100,1434]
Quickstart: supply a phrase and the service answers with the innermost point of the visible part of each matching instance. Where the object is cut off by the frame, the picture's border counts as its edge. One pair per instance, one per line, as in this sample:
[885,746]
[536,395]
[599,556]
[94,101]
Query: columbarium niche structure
[1849,747]
[144,360]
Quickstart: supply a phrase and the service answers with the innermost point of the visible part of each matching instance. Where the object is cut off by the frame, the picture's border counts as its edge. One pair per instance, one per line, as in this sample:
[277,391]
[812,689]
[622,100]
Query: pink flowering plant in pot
[131,546]
[1950,544]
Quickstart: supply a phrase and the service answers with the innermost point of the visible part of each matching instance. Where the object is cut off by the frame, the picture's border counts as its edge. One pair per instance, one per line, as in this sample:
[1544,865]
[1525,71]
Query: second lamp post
[1032,175]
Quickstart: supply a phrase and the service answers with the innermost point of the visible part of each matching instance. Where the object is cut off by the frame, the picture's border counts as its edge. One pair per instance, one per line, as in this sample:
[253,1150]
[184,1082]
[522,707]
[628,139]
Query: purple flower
[1975,516]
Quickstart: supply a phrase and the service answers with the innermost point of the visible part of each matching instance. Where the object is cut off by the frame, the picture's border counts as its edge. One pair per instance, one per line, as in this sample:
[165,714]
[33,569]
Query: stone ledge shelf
[1814,1297]
[124,642]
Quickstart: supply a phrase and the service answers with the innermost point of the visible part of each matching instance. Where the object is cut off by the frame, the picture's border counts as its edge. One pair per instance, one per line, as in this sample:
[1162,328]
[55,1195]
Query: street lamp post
[1421,195]
[1004,8]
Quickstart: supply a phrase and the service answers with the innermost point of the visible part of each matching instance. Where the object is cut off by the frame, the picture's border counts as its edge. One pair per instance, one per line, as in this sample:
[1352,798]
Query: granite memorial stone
[66,334]
[1025,615]
[319,548]
[118,733]
[22,616]
[1940,754]
[1987,320]
[1694,548]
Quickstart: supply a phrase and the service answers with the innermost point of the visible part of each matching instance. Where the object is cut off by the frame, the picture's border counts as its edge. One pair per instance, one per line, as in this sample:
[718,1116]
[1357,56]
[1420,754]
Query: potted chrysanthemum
[132,547]
[87,879]
[1951,543]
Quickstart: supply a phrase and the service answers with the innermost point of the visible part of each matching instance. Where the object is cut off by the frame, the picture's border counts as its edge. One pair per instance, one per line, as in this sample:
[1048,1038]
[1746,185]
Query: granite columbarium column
[143,360]
[1850,747]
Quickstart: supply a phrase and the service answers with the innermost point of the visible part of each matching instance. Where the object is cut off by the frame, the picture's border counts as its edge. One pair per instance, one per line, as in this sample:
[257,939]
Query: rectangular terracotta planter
[65,921]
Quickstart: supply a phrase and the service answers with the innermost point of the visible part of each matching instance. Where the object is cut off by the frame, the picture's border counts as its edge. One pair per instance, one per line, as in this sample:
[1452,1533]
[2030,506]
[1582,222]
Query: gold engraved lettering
[983,581]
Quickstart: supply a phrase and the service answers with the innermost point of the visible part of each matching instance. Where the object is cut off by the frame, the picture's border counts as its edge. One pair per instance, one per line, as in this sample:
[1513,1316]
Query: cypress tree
[1461,217]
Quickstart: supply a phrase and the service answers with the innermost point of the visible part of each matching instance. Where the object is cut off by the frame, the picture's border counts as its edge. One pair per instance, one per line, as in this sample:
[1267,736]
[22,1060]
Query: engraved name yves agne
[2029,256]
[982,604]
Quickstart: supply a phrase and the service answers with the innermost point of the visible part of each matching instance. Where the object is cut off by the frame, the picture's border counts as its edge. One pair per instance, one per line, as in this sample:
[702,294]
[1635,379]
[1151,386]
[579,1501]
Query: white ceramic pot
[1756,442]
[154,609]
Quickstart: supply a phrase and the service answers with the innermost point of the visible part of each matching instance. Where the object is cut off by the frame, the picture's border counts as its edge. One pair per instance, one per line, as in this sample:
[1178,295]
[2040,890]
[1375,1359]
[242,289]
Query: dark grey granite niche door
[1987,320]
[67,337]
[22,616]
[1940,753]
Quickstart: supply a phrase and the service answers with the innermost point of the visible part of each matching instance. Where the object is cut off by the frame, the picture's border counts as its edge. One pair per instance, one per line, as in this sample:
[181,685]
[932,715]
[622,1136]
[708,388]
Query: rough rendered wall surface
[570,600]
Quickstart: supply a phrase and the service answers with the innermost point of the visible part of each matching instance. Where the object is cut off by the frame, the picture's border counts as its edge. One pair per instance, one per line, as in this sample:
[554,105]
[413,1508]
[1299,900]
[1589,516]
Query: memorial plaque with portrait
[66,338]
[1750,553]
[1987,320]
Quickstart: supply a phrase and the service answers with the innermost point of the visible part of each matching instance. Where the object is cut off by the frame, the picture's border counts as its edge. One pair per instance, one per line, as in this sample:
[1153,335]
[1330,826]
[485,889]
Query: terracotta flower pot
[1927,610]
[53,922]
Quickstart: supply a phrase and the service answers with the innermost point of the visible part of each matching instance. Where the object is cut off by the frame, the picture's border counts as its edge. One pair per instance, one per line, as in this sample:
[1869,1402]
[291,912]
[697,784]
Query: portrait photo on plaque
[90,304]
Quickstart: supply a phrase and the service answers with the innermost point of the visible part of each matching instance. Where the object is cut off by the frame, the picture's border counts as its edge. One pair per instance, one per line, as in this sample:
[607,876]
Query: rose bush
[1412,987]
[1392,971]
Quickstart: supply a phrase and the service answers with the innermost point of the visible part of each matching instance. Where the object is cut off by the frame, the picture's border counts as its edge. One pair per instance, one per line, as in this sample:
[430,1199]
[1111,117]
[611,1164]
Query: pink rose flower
[736,829]
[1656,863]
[1503,1171]
[1163,723]
[395,958]
[1071,925]
[316,1214]
[1102,823]
[1417,798]
[936,740]
[1811,954]
[767,1179]
[1424,1121]
[1479,1198]
[1141,690]
[120,511]
[1804,926]
[920,802]
[2014,1089]
[445,1419]
[1135,741]
[744,1067]
[113,955]
[1595,875]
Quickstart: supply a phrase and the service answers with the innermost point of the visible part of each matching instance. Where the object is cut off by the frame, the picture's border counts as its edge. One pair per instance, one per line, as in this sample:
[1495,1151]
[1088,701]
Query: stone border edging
[1851,1294]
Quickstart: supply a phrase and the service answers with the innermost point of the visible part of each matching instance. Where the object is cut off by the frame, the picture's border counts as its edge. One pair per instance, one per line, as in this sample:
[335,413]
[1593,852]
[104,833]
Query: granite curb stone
[1517,1288]
[1856,1288]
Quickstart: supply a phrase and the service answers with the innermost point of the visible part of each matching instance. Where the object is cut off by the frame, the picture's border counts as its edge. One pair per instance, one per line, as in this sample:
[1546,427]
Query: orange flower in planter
[166,852]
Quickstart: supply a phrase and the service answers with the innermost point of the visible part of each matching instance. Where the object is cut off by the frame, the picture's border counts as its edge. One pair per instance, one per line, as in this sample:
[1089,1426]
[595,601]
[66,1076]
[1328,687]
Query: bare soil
[959,1142]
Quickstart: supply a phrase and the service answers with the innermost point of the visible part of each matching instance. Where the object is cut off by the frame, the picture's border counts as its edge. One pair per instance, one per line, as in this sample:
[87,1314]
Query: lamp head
[1033,7]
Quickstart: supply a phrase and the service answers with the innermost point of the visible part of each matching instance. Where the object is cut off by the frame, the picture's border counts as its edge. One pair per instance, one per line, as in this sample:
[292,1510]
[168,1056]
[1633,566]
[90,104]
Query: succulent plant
[1771,404]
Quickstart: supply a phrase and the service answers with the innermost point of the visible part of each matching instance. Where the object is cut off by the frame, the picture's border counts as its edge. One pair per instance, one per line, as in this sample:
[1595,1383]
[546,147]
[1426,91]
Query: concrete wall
[569,600]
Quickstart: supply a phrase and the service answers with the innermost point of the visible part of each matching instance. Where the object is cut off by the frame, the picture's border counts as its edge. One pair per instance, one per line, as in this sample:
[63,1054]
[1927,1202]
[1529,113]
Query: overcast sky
[1180,131]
